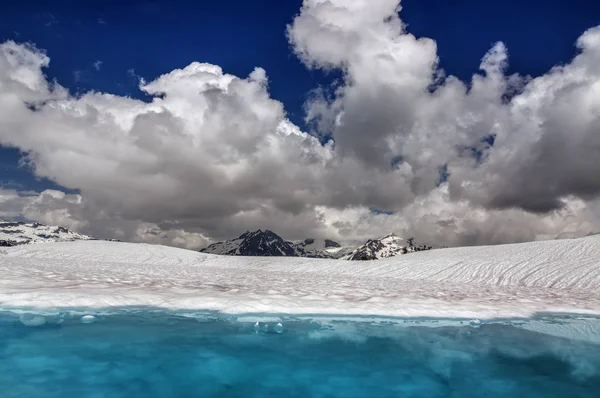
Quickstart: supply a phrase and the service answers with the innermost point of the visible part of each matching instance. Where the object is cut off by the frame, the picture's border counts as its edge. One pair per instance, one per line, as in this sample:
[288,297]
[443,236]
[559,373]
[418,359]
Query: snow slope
[485,282]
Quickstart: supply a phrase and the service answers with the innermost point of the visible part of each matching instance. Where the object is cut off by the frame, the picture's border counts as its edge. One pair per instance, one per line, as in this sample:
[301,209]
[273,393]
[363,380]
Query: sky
[459,123]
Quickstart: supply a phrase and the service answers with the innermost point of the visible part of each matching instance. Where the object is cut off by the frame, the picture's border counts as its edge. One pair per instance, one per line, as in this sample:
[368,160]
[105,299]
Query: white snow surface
[474,282]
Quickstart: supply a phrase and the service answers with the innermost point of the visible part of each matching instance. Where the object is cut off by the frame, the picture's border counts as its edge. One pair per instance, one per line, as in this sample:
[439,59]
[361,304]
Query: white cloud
[97,65]
[437,219]
[209,150]
[544,136]
[9,201]
[213,154]
[71,211]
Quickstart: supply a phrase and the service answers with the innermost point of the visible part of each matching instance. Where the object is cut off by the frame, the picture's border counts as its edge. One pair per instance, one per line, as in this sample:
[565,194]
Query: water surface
[166,354]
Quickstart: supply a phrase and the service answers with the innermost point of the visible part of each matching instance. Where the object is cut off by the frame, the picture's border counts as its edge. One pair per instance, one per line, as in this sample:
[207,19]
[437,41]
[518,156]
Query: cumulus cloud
[508,142]
[496,159]
[211,152]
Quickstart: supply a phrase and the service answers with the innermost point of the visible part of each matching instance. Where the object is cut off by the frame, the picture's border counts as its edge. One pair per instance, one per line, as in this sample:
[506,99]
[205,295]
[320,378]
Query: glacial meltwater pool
[151,353]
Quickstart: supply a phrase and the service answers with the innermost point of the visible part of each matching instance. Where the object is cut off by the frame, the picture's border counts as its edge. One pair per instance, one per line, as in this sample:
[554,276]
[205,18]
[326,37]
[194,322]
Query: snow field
[477,282]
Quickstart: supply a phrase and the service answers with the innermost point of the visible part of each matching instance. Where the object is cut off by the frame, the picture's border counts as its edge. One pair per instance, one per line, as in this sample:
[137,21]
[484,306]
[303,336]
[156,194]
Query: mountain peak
[268,243]
[391,237]
[258,232]
[253,243]
[388,246]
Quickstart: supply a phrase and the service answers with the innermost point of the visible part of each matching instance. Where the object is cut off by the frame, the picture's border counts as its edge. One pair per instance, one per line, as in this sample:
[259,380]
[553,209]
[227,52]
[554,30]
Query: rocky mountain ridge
[267,243]
[14,233]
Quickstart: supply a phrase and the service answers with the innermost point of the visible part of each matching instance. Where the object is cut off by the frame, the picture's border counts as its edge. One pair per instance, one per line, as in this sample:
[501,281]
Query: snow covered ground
[477,282]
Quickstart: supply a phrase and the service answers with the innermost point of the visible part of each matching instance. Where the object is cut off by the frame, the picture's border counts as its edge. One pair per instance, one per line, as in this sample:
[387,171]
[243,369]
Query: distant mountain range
[268,243]
[13,233]
[256,243]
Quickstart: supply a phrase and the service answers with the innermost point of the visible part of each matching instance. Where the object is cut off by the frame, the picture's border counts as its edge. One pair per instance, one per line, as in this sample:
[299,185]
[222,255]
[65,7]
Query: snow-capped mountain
[388,246]
[13,233]
[257,243]
[320,248]
[268,243]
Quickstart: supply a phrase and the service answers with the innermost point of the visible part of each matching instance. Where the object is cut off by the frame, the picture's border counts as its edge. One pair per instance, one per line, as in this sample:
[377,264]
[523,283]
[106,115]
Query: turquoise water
[162,354]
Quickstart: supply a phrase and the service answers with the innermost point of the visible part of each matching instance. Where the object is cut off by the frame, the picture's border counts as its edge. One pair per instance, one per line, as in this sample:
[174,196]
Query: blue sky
[104,46]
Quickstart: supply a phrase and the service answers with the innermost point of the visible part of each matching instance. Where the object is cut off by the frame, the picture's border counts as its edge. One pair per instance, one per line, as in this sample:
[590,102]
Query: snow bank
[478,282]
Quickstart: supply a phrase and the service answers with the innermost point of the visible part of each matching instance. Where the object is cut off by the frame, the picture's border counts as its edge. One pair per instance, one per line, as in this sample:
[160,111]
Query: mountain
[319,248]
[268,243]
[388,246]
[257,243]
[13,233]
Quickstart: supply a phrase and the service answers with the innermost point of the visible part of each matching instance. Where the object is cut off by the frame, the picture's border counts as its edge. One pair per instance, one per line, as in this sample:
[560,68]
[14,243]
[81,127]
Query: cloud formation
[397,103]
[494,160]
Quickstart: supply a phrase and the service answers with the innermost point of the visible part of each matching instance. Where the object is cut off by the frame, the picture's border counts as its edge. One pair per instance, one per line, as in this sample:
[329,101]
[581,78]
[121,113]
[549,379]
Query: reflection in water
[164,354]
